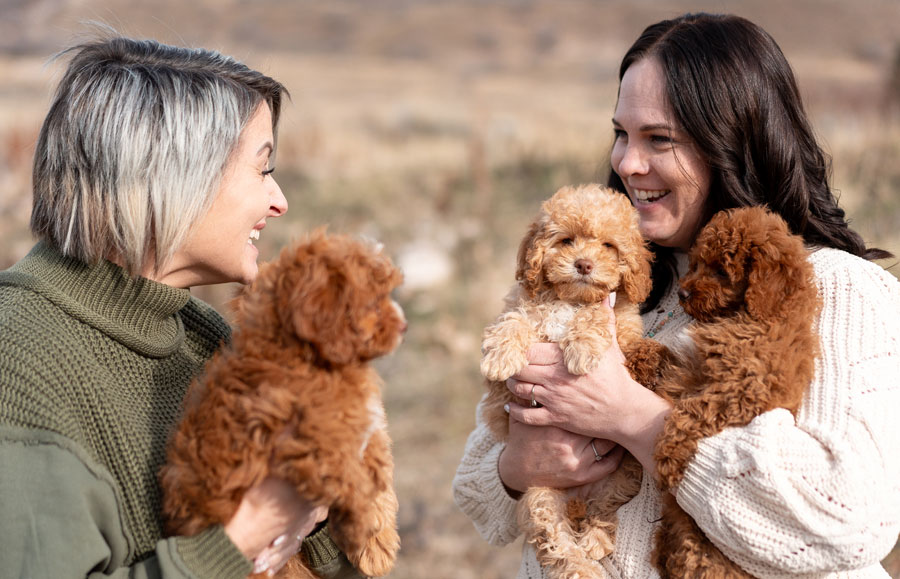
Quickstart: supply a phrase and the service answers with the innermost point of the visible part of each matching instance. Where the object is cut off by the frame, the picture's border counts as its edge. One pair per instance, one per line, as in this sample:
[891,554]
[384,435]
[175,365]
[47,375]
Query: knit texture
[103,360]
[818,495]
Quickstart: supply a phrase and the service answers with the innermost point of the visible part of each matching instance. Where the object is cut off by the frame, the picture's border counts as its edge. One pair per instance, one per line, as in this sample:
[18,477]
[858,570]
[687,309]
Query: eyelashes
[268,172]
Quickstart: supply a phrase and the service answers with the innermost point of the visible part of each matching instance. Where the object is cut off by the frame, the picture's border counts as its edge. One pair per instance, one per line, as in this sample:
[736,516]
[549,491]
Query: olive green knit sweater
[93,369]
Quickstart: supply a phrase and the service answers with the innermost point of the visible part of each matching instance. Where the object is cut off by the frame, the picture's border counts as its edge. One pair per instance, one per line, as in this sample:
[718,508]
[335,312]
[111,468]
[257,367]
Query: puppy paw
[497,365]
[581,357]
[378,557]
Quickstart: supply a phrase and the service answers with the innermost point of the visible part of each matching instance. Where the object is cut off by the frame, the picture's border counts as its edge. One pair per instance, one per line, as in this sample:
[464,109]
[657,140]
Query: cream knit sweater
[818,496]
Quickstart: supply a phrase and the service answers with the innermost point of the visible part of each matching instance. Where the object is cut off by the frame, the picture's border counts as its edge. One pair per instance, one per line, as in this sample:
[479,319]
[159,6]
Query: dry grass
[438,127]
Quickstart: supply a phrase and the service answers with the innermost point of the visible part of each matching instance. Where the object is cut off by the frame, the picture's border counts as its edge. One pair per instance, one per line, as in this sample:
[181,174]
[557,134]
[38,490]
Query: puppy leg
[376,520]
[505,345]
[587,340]
[682,550]
[597,538]
[545,518]
[646,360]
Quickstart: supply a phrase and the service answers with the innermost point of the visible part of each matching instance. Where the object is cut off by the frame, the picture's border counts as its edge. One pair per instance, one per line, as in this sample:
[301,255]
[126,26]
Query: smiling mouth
[254,235]
[649,196]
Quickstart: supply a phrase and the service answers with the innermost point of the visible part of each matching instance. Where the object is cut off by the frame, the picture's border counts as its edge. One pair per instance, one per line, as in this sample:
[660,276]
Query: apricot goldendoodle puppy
[293,396]
[751,292]
[584,244]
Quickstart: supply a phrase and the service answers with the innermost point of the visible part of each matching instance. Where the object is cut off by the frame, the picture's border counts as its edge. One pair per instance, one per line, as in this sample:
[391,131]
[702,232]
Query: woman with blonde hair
[152,175]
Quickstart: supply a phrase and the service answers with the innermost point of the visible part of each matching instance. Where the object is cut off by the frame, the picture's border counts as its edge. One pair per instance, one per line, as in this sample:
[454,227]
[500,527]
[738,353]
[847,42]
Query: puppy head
[584,244]
[333,292]
[745,259]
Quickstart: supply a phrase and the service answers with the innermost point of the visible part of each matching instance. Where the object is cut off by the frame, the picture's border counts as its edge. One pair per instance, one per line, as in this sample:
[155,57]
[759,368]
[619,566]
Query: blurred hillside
[437,126]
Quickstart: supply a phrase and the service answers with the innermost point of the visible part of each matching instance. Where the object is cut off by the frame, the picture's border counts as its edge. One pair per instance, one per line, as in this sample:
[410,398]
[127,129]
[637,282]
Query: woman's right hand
[271,522]
[546,456]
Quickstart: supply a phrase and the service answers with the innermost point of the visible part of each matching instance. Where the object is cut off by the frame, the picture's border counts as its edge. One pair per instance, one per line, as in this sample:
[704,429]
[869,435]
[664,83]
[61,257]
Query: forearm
[641,427]
[61,518]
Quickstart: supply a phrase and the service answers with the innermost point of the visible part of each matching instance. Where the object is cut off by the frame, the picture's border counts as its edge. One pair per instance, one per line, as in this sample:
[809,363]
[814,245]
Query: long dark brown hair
[732,90]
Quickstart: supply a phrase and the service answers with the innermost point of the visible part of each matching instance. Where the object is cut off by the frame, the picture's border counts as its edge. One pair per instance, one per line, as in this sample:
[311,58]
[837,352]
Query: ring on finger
[597,456]
[534,403]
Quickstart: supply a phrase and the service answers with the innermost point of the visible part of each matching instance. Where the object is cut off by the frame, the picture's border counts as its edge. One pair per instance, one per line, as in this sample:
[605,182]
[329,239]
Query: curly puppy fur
[751,292]
[294,397]
[584,244]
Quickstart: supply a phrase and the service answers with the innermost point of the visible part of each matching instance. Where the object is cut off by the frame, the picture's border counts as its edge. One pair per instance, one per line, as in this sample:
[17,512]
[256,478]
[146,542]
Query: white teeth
[254,234]
[645,195]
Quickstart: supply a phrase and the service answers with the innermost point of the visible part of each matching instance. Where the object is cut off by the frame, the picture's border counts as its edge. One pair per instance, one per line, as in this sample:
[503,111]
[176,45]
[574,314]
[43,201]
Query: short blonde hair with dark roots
[134,146]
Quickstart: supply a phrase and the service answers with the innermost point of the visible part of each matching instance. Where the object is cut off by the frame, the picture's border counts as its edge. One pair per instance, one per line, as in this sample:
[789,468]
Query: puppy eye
[567,241]
[609,246]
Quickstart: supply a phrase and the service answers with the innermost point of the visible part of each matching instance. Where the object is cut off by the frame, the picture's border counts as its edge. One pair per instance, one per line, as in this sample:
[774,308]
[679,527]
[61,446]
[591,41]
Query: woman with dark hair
[709,117]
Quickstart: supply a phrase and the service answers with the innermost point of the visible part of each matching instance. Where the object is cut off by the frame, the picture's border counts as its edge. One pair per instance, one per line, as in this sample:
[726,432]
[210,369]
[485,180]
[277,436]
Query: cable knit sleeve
[821,492]
[478,490]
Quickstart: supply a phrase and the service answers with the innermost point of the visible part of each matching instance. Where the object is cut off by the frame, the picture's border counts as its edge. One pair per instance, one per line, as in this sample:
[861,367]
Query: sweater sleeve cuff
[319,549]
[211,553]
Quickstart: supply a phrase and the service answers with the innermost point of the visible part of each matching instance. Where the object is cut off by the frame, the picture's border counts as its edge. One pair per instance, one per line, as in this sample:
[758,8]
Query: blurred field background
[437,127]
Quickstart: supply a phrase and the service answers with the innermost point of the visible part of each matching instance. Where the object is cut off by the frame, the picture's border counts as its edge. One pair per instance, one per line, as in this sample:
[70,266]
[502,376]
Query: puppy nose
[584,266]
[684,295]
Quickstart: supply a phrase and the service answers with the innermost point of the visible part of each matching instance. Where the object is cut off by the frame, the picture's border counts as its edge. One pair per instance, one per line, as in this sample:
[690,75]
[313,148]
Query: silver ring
[597,456]
[534,403]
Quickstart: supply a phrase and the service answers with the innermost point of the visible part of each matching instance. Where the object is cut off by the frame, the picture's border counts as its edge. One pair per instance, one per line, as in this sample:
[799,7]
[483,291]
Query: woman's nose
[632,162]
[278,204]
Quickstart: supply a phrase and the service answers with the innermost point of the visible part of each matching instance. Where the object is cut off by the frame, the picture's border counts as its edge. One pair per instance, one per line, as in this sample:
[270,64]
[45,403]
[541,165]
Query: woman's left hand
[605,403]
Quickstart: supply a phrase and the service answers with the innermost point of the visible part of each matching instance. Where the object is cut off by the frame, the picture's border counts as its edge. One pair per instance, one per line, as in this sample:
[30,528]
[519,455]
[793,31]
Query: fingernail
[261,564]
[279,541]
[270,573]
[612,299]
[506,408]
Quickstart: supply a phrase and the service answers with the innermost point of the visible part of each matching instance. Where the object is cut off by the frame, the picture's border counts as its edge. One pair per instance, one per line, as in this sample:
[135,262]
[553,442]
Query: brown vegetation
[437,126]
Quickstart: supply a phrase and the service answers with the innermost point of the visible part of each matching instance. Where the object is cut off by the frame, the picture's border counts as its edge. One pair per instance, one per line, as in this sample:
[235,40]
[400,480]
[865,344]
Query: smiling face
[664,174]
[219,248]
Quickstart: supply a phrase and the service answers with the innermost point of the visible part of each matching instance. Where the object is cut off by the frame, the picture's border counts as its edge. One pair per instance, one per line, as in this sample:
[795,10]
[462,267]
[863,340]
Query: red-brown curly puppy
[751,292]
[294,397]
[584,244]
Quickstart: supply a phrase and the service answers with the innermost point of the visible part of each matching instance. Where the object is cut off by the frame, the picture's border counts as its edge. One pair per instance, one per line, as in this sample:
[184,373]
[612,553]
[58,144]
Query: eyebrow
[648,128]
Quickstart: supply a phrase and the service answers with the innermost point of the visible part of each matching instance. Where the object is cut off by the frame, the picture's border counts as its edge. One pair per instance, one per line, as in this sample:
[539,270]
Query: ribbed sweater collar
[139,313]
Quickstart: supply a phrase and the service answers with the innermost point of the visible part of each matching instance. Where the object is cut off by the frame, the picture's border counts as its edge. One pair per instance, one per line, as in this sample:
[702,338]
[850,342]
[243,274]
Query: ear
[317,309]
[636,280]
[773,281]
[529,269]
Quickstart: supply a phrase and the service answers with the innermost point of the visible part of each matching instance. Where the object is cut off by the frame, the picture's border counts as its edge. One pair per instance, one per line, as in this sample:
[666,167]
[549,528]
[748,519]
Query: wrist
[643,426]
[513,493]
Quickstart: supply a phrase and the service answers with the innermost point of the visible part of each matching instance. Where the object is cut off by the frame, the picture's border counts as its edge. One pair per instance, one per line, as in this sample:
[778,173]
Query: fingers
[539,416]
[285,546]
[277,554]
[599,447]
[611,302]
[544,354]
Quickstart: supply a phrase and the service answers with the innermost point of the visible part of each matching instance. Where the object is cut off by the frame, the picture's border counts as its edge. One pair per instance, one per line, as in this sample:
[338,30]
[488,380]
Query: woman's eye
[662,139]
[268,172]
[620,134]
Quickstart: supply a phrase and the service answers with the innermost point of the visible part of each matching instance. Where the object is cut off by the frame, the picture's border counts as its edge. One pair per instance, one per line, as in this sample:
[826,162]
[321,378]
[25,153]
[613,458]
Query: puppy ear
[529,269]
[318,310]
[777,276]
[636,279]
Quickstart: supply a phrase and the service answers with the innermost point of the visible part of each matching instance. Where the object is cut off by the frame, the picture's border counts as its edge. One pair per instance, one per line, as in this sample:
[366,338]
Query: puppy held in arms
[753,345]
[294,396]
[584,244]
